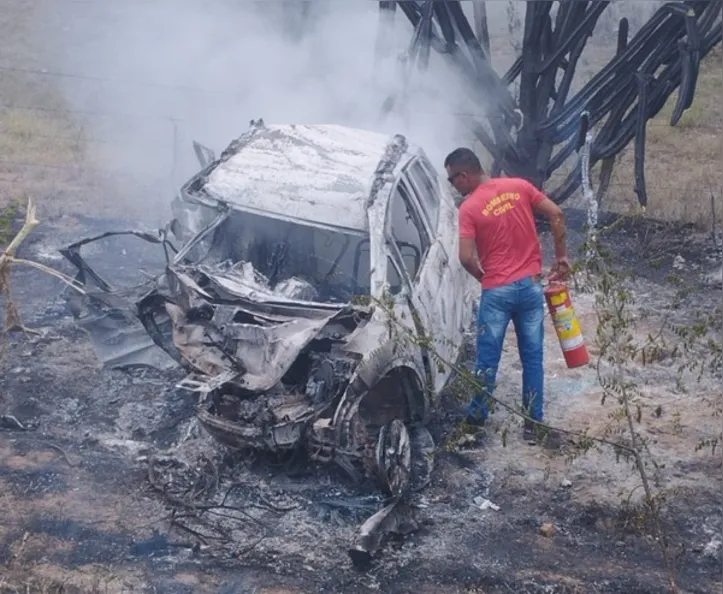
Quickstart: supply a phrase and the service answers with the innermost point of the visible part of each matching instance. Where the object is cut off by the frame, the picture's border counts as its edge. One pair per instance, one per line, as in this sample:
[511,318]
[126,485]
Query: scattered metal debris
[10,422]
[484,504]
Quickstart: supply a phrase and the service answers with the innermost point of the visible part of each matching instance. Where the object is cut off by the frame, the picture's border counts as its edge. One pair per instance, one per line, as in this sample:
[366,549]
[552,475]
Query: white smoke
[174,71]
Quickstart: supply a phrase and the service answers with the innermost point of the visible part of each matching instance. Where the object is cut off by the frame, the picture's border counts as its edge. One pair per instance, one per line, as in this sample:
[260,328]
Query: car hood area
[220,321]
[225,321]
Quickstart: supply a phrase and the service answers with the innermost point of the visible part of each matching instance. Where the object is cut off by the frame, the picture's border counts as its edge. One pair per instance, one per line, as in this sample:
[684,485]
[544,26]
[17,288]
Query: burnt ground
[80,514]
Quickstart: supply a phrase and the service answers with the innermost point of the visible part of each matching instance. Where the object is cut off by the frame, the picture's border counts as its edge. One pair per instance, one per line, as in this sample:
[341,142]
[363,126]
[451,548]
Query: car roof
[310,173]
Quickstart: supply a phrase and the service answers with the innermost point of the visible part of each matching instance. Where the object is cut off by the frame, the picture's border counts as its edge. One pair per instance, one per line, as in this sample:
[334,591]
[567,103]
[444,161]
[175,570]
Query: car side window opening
[425,186]
[407,230]
[394,279]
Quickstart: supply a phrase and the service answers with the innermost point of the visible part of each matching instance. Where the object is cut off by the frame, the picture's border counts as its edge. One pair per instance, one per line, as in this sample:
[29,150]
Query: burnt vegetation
[533,134]
[275,410]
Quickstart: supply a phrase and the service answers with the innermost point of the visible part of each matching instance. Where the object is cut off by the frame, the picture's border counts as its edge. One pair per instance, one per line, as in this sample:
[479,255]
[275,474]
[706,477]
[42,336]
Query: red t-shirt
[498,216]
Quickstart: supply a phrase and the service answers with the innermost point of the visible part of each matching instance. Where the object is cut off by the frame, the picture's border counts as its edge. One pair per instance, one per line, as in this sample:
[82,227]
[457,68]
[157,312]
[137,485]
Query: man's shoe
[471,433]
[535,434]
[474,422]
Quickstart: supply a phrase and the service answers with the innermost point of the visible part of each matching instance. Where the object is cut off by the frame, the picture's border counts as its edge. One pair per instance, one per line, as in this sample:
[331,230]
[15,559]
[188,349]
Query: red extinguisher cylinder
[567,327]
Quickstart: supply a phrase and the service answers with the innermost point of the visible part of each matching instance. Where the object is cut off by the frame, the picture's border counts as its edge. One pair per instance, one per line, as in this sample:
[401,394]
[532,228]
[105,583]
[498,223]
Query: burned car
[315,290]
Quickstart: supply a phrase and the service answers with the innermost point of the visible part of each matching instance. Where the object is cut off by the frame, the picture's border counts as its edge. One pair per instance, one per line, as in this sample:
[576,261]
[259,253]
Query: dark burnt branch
[192,493]
[481,26]
[632,88]
[606,170]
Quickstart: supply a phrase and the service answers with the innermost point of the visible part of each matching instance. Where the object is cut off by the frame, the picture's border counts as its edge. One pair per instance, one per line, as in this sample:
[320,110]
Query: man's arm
[467,245]
[556,216]
[468,257]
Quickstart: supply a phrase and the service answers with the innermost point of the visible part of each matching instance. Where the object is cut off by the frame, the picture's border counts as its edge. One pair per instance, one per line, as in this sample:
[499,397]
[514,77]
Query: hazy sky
[161,73]
[201,70]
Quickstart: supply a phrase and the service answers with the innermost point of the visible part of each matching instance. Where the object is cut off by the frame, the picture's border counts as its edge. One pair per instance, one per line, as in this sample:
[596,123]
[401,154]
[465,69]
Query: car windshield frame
[354,247]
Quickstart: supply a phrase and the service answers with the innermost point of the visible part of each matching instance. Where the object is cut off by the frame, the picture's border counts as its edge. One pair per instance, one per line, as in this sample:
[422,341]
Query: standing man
[499,246]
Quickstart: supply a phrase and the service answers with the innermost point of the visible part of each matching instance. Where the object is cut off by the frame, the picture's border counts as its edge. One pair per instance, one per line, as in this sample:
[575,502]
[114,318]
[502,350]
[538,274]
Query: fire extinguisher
[557,296]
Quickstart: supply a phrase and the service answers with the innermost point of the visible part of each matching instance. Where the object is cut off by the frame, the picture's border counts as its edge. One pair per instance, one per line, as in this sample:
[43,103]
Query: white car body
[316,297]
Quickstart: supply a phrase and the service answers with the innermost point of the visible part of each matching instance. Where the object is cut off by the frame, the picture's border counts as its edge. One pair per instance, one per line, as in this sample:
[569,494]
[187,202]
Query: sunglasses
[454,176]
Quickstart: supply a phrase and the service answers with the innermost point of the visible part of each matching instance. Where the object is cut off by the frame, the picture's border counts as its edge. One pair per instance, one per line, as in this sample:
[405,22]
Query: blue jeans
[522,302]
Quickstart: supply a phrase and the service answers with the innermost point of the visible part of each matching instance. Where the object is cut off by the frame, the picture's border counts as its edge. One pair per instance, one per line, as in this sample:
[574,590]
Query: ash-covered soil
[81,513]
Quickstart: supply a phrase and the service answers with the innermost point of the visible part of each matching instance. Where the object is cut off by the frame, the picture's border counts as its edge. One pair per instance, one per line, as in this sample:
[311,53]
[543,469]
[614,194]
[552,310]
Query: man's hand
[468,258]
[560,270]
[554,214]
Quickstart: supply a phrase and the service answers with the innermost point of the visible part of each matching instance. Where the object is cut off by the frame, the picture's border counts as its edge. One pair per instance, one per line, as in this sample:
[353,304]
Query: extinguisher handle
[555,279]
[553,284]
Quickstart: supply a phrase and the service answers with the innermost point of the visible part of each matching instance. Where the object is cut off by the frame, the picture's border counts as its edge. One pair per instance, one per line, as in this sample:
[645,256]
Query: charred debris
[272,320]
[533,135]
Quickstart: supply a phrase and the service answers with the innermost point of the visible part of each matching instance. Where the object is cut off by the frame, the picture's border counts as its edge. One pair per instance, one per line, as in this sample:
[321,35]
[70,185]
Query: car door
[421,259]
[451,305]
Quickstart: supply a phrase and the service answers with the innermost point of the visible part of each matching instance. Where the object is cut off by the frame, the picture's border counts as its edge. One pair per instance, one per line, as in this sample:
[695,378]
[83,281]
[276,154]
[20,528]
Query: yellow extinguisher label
[558,299]
[568,330]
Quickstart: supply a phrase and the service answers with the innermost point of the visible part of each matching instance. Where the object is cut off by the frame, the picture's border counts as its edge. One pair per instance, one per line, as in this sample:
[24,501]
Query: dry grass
[45,151]
[42,147]
[40,158]
[682,165]
[35,138]
[45,578]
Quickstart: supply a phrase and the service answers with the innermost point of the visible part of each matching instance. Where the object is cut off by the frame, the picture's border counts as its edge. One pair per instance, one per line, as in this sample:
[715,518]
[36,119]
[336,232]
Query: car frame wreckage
[314,294]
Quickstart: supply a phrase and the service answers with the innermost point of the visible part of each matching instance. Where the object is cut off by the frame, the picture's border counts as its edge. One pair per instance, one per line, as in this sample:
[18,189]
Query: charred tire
[394,457]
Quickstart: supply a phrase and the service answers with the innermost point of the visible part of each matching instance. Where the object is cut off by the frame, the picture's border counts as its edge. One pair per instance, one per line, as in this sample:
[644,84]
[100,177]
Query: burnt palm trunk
[665,53]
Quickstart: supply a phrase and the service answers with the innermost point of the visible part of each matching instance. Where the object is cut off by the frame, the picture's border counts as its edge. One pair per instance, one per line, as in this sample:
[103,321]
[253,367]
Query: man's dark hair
[465,159]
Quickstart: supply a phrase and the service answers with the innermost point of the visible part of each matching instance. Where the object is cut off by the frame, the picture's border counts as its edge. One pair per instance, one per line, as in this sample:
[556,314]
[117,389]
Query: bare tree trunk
[384,42]
[481,27]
